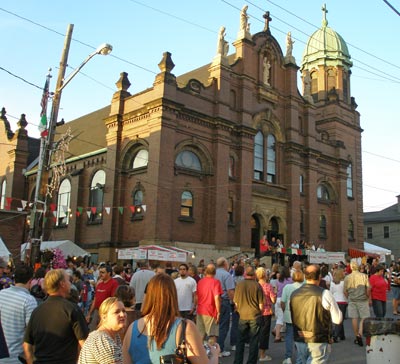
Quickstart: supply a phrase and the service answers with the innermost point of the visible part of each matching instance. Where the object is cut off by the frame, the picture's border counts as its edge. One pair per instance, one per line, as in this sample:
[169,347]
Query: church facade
[215,159]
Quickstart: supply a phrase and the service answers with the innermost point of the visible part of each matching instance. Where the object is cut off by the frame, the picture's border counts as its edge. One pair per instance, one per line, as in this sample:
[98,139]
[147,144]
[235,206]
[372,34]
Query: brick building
[214,159]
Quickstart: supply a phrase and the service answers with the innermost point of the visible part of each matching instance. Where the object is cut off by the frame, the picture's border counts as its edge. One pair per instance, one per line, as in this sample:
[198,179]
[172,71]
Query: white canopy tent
[4,252]
[376,249]
[68,248]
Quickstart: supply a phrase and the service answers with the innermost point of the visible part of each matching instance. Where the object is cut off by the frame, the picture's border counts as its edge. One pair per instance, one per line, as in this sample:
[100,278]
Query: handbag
[180,356]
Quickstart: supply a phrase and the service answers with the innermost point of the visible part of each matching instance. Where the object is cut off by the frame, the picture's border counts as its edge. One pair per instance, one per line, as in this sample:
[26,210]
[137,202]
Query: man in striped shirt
[16,306]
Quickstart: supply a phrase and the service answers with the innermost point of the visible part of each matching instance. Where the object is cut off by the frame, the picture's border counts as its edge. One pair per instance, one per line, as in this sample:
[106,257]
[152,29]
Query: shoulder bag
[180,356]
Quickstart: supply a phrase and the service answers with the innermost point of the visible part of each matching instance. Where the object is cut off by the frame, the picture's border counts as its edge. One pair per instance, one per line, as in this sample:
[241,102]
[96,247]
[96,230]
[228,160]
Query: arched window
[350,230]
[322,227]
[271,159]
[97,196]
[187,204]
[230,210]
[350,181]
[323,193]
[301,184]
[314,85]
[189,160]
[141,159]
[233,99]
[63,203]
[264,150]
[302,222]
[331,79]
[231,168]
[345,88]
[3,194]
[258,156]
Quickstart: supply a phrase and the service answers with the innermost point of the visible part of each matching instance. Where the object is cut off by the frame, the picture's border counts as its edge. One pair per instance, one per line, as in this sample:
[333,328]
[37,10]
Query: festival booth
[361,253]
[383,252]
[155,252]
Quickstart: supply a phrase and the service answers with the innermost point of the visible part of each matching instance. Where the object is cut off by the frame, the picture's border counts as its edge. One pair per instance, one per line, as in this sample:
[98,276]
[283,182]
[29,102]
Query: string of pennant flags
[79,210]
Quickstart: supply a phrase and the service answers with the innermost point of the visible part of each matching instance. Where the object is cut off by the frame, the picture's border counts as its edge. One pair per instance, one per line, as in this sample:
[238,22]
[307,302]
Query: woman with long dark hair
[158,332]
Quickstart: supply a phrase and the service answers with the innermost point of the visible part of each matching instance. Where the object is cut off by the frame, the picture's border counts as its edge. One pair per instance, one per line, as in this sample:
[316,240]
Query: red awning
[358,253]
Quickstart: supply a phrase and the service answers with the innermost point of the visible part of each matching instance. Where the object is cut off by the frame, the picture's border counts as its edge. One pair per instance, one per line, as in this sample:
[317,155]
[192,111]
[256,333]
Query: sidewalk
[343,352]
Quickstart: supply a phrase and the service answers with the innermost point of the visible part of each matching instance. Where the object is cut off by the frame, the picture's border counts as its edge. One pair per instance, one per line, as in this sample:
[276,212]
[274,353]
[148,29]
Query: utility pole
[46,145]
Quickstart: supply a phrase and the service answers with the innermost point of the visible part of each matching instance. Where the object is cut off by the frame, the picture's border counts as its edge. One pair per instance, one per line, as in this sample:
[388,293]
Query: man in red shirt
[105,288]
[209,292]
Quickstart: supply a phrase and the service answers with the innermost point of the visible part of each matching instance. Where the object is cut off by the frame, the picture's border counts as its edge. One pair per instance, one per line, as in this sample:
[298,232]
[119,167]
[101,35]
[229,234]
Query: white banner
[325,257]
[132,253]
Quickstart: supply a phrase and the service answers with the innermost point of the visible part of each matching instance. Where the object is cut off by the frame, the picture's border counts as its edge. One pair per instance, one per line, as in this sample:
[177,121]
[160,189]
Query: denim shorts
[396,292]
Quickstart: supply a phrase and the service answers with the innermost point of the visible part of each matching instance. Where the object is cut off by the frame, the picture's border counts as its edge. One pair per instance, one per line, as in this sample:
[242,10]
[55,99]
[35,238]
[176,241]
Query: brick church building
[213,159]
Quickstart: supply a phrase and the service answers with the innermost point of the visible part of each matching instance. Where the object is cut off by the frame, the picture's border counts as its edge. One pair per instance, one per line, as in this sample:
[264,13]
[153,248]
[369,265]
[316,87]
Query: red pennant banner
[8,203]
[132,209]
[53,207]
[93,209]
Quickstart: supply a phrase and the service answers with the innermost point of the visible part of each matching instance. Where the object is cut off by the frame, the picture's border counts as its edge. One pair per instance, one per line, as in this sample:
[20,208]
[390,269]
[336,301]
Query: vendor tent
[68,248]
[376,249]
[4,252]
[359,253]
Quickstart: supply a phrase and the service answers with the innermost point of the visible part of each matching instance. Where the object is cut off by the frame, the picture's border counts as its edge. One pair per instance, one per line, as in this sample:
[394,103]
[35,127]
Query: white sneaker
[233,347]
[265,358]
[287,361]
[224,354]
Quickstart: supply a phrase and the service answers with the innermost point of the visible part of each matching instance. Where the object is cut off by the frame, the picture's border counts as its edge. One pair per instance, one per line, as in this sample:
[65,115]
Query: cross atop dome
[324,11]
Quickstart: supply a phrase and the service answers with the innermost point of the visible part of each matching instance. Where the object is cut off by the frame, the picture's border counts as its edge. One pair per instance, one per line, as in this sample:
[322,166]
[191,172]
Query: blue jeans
[224,320]
[248,330]
[312,353]
[379,308]
[234,327]
[289,342]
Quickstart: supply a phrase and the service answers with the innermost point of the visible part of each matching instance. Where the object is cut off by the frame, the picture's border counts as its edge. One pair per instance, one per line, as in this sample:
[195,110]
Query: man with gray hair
[357,290]
[57,327]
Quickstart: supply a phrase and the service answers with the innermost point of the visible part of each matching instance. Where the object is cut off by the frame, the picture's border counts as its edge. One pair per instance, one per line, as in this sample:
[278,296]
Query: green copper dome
[326,47]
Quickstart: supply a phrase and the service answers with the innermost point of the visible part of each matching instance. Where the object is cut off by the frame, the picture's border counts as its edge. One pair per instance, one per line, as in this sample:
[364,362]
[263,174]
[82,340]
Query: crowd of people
[110,313]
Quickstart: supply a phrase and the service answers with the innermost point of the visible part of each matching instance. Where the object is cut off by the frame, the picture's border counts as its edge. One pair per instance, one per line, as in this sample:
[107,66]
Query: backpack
[37,290]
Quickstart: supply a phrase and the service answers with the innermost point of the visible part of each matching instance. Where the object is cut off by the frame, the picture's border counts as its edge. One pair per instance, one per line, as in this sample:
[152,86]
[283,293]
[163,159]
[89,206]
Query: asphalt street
[343,352]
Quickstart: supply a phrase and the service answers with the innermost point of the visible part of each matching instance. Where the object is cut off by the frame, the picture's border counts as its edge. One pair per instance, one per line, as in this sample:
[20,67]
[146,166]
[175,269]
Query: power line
[21,78]
[391,7]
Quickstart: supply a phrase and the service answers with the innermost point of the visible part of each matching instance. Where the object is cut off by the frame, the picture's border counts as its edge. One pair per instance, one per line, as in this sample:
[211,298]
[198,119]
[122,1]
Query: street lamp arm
[103,49]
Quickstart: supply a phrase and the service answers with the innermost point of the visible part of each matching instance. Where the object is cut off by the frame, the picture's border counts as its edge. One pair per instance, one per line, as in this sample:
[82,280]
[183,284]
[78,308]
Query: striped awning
[358,253]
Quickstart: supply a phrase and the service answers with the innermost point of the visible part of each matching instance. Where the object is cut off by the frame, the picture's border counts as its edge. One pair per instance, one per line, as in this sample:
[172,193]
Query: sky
[32,37]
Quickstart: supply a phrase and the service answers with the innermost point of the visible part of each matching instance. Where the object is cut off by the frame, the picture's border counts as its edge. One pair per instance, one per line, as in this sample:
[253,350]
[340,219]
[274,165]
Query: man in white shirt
[139,282]
[186,287]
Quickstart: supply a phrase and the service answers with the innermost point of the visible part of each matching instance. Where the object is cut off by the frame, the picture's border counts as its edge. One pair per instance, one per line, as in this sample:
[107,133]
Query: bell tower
[325,67]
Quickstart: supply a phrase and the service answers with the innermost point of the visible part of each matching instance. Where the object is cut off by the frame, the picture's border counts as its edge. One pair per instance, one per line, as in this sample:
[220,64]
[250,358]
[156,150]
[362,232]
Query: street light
[47,141]
[103,49]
